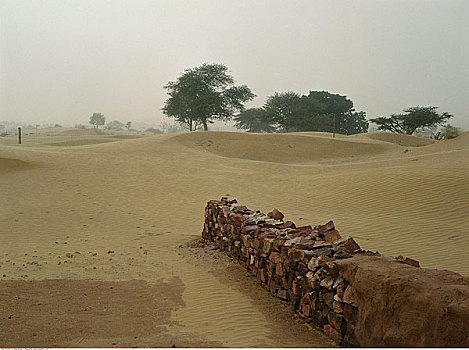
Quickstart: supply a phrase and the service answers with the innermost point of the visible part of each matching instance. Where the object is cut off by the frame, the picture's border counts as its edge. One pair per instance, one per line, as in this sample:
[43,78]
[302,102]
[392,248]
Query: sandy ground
[93,228]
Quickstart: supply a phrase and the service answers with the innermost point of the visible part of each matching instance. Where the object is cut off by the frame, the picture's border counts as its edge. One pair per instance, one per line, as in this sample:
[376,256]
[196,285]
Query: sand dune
[280,148]
[400,139]
[81,142]
[9,165]
[83,132]
[119,211]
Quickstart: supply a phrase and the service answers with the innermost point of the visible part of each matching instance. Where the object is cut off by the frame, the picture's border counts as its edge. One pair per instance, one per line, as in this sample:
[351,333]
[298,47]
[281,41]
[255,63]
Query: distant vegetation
[412,119]
[207,93]
[154,131]
[204,94]
[97,119]
[451,132]
[317,111]
[254,120]
[115,125]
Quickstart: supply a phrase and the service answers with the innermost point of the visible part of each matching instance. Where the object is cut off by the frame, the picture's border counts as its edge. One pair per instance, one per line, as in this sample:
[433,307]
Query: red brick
[338,307]
[305,243]
[350,314]
[267,244]
[246,240]
[349,295]
[342,254]
[237,218]
[279,269]
[304,230]
[314,300]
[251,229]
[332,268]
[327,282]
[333,334]
[298,286]
[295,254]
[282,294]
[348,243]
[302,268]
[323,244]
[263,273]
[255,243]
[275,214]
[336,321]
[287,224]
[277,258]
[305,309]
[327,296]
[306,298]
[408,261]
[289,265]
[321,229]
[349,337]
[331,236]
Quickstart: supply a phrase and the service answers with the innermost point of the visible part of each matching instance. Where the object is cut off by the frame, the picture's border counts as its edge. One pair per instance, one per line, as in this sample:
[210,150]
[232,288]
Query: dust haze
[63,60]
[101,225]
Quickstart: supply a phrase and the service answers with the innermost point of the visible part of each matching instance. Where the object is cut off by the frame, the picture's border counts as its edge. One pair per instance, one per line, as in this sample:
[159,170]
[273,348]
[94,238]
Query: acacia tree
[281,109]
[128,125]
[254,120]
[412,119]
[203,94]
[97,119]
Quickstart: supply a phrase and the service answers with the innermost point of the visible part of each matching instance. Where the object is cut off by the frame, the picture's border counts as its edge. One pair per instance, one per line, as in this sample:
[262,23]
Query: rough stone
[298,285]
[322,244]
[327,282]
[348,243]
[331,236]
[282,294]
[408,261]
[275,214]
[333,333]
[336,321]
[338,307]
[349,295]
[321,229]
[350,314]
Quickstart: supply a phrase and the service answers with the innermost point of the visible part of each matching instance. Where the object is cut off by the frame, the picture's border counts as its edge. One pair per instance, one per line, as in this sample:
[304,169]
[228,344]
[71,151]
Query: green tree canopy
[205,93]
[97,119]
[281,109]
[254,120]
[412,119]
[314,112]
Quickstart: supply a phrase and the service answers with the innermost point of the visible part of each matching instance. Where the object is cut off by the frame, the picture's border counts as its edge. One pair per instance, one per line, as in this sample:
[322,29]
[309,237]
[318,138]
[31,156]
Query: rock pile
[296,264]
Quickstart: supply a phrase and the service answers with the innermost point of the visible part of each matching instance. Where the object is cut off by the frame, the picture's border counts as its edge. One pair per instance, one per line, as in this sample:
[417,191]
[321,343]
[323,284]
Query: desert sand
[94,228]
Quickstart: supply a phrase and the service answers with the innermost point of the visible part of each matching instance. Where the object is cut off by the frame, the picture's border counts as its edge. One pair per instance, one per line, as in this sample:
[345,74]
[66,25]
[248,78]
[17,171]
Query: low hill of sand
[400,139]
[105,225]
[279,148]
[11,165]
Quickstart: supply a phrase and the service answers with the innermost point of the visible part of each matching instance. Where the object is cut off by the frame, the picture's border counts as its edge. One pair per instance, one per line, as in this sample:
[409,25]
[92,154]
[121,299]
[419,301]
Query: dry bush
[451,132]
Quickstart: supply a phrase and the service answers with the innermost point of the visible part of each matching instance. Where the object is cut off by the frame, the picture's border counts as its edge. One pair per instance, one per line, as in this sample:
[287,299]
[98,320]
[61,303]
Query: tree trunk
[190,125]
[204,122]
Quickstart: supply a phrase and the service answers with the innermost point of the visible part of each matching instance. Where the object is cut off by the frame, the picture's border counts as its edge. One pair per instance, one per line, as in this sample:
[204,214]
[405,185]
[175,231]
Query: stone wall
[307,268]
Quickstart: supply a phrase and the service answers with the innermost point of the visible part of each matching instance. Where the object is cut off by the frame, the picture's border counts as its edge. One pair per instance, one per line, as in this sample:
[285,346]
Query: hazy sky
[63,60]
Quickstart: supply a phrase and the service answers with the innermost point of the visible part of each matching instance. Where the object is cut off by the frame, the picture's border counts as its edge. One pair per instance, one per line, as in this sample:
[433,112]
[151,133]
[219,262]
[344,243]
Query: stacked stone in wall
[296,264]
